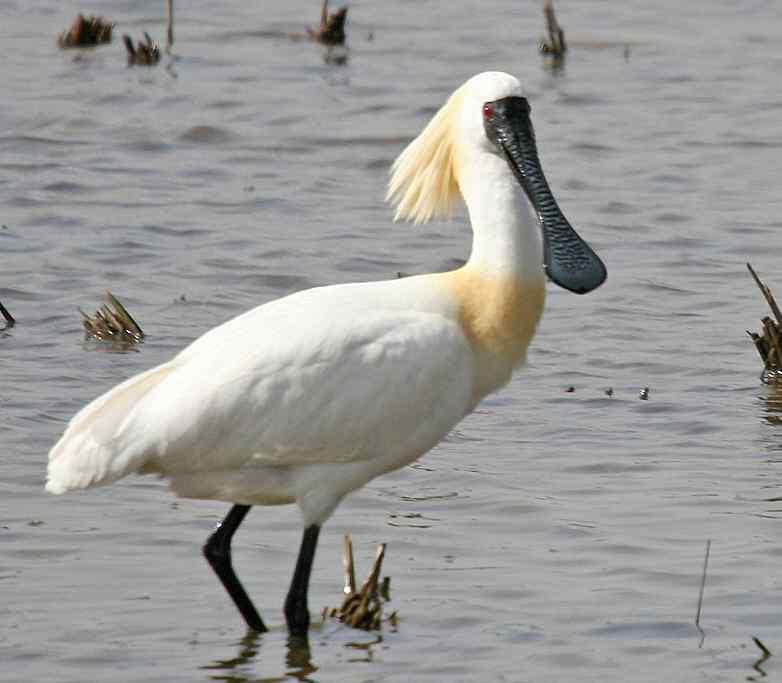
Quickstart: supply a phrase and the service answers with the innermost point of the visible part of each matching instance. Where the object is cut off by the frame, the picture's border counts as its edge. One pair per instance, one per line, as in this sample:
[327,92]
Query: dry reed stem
[767,293]
[170,27]
[762,647]
[703,584]
[350,570]
[556,44]
[757,664]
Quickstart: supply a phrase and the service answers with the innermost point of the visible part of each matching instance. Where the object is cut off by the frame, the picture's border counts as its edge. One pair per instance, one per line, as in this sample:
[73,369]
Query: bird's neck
[506,235]
[501,289]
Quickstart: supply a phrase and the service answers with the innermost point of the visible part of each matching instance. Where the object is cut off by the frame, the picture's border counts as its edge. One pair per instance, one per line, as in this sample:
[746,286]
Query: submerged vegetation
[86,32]
[363,608]
[330,30]
[112,322]
[768,341]
[144,53]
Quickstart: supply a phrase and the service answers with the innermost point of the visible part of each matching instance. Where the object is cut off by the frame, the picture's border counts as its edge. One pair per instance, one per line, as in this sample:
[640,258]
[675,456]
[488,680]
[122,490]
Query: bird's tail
[95,448]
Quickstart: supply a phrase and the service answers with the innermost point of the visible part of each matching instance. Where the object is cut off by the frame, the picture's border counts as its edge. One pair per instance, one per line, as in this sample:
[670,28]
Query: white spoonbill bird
[307,398]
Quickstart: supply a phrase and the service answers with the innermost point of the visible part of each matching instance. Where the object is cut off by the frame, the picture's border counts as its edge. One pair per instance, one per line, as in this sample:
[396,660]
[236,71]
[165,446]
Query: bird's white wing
[318,390]
[304,380]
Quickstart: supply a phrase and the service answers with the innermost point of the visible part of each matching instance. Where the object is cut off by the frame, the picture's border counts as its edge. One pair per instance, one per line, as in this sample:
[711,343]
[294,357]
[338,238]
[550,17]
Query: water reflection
[298,665]
[336,55]
[773,403]
[367,649]
[298,662]
[554,63]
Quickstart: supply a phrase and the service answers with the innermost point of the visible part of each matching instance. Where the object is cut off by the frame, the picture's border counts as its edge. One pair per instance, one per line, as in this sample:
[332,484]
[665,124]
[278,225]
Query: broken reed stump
[9,319]
[555,45]
[86,32]
[332,26]
[113,323]
[330,31]
[769,341]
[363,608]
[143,53]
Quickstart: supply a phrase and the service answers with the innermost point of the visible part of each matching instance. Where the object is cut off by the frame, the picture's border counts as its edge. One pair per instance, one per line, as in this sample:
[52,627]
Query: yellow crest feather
[423,180]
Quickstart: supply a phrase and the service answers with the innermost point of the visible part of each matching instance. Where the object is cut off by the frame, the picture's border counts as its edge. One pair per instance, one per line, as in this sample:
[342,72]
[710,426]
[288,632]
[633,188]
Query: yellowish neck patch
[498,313]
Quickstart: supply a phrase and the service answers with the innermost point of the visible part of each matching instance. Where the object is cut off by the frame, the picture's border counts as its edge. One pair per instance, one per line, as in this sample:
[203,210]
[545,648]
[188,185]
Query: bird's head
[489,115]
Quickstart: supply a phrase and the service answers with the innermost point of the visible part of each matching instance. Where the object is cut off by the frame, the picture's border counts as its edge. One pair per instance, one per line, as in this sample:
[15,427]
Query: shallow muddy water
[554,535]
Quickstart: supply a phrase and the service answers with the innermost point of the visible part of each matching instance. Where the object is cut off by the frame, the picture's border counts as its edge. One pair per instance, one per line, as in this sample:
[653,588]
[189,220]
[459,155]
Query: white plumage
[303,399]
[307,398]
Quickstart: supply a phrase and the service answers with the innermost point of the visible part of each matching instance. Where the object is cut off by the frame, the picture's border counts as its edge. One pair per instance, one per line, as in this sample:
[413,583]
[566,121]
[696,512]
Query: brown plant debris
[332,26]
[86,31]
[768,341]
[112,322]
[555,45]
[144,53]
[9,319]
[363,608]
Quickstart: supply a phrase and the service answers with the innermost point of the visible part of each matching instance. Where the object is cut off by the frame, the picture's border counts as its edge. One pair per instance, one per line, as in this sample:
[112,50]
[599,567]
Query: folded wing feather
[278,386]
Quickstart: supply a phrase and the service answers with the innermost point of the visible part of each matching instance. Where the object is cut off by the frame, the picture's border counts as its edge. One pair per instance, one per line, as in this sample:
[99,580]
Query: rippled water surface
[555,535]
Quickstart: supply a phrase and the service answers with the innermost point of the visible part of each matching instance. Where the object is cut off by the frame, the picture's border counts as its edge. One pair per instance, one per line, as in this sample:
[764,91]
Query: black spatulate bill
[569,261]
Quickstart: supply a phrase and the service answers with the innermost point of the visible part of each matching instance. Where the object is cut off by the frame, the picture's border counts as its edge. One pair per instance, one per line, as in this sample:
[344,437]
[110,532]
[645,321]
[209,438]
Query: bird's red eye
[488,111]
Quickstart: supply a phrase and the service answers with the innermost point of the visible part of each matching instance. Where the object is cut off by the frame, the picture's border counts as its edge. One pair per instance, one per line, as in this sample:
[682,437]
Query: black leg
[217,551]
[296,611]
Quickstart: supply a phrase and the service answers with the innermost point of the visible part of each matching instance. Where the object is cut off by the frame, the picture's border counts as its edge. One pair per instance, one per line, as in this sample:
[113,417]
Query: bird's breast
[498,314]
